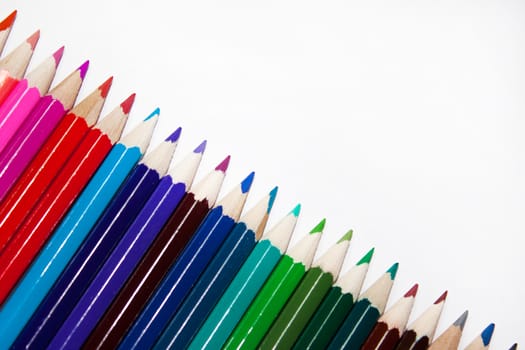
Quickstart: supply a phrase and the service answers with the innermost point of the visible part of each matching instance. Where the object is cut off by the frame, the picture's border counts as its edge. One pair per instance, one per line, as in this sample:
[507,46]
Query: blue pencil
[217,276]
[128,252]
[187,268]
[83,267]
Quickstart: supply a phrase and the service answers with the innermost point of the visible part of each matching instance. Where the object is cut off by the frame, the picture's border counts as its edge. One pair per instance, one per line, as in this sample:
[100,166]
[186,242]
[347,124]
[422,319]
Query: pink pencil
[25,96]
[38,125]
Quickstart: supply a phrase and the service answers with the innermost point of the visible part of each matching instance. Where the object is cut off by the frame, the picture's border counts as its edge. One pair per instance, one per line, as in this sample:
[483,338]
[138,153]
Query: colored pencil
[14,65]
[390,326]
[335,307]
[65,240]
[420,333]
[307,296]
[102,238]
[127,254]
[364,314]
[482,341]
[185,271]
[38,126]
[5,29]
[247,282]
[514,346]
[24,96]
[57,199]
[48,162]
[276,290]
[217,276]
[164,250]
[450,338]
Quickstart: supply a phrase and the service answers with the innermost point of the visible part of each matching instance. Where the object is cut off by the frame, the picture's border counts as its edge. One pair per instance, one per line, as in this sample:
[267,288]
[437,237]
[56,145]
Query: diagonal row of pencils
[103,244]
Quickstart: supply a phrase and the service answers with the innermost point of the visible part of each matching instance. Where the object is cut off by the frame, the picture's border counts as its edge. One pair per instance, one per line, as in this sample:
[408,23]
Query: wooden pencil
[482,341]
[275,292]
[128,254]
[389,327]
[24,96]
[38,126]
[364,314]
[181,277]
[97,246]
[66,238]
[217,276]
[5,29]
[247,282]
[335,307]
[450,338]
[48,162]
[420,333]
[14,65]
[306,298]
[514,346]
[57,200]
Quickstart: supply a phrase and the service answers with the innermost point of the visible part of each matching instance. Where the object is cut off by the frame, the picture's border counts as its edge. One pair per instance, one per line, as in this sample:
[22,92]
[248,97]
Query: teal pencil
[250,278]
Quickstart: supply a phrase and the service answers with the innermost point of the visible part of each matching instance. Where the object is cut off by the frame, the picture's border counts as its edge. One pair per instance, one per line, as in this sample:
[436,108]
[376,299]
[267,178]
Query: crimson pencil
[25,96]
[60,195]
[14,65]
[5,29]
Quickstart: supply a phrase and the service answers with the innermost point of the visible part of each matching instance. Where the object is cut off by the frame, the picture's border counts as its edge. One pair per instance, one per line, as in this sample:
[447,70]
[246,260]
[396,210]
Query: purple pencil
[127,254]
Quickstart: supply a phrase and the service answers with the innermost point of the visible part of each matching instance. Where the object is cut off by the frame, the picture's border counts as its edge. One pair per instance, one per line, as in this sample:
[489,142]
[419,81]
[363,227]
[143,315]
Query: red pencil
[14,65]
[49,161]
[5,29]
[54,203]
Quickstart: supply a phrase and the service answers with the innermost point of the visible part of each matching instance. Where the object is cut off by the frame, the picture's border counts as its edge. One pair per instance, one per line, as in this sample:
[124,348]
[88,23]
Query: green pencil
[244,287]
[335,306]
[276,290]
[365,313]
[307,297]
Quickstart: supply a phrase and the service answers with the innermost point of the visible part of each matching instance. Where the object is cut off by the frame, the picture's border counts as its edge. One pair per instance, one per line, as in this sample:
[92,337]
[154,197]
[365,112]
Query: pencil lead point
[200,148]
[412,291]
[296,210]
[393,270]
[223,166]
[128,103]
[174,135]
[33,39]
[486,335]
[8,21]
[460,322]
[247,182]
[273,194]
[441,298]
[105,86]
[319,227]
[83,69]
[58,55]
[153,114]
[367,258]
[346,237]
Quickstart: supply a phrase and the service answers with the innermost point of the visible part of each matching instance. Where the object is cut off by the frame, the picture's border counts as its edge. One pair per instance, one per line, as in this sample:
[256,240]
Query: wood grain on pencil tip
[5,29]
[450,338]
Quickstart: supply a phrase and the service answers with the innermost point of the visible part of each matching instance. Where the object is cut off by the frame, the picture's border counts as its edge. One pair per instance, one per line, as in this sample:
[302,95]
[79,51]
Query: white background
[403,120]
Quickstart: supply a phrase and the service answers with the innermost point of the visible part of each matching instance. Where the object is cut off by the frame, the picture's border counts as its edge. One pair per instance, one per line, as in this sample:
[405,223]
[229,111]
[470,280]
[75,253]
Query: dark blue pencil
[99,243]
[217,276]
[187,268]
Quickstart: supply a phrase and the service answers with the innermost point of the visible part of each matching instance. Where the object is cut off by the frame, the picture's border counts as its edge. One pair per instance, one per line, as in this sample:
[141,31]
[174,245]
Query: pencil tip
[83,69]
[441,298]
[296,210]
[273,194]
[367,258]
[319,227]
[105,86]
[223,166]
[347,236]
[460,322]
[247,183]
[127,104]
[200,148]
[33,39]
[58,55]
[412,291]
[486,335]
[514,346]
[153,114]
[8,21]
[393,271]
[174,135]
